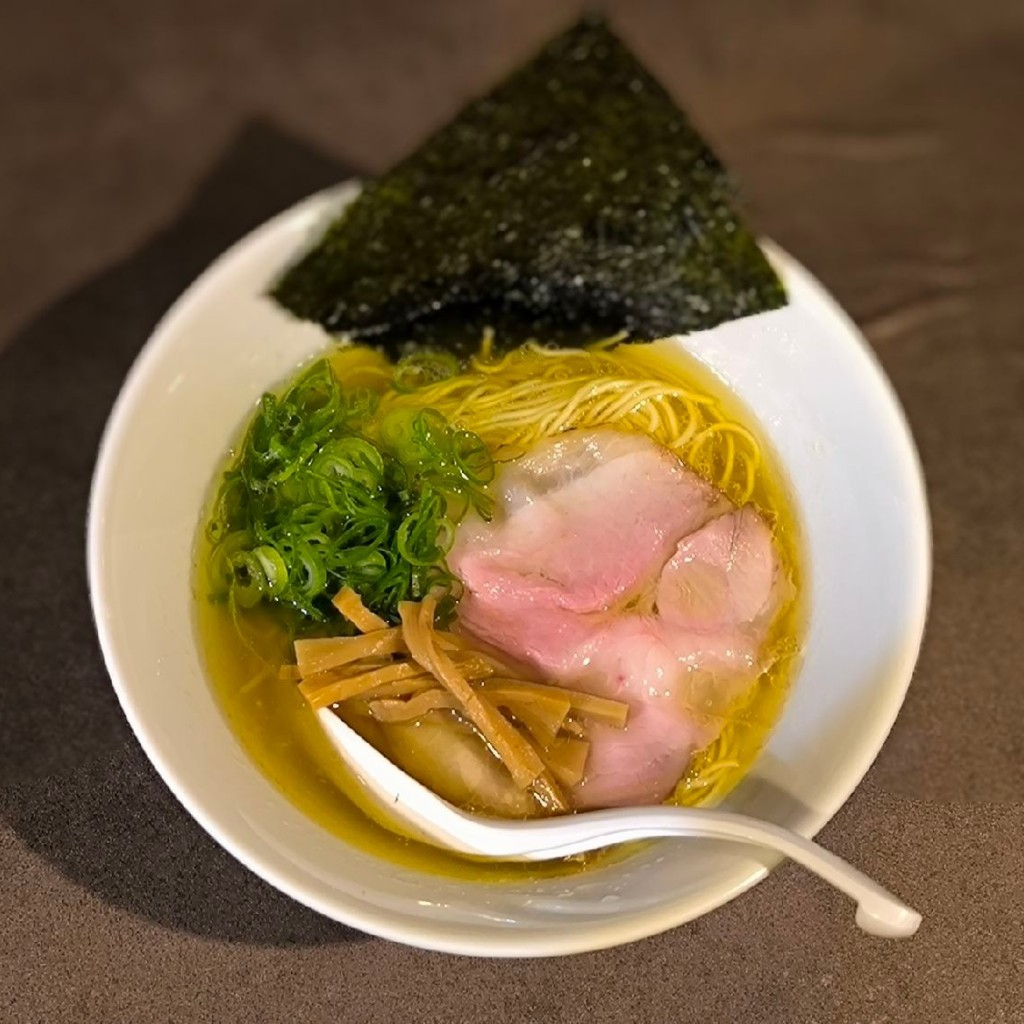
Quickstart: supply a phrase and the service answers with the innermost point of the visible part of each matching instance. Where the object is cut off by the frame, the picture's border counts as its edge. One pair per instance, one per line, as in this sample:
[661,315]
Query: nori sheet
[574,201]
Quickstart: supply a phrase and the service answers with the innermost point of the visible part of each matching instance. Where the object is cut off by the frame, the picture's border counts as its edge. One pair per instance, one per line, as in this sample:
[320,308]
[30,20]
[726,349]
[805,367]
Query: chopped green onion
[473,457]
[248,583]
[326,494]
[274,569]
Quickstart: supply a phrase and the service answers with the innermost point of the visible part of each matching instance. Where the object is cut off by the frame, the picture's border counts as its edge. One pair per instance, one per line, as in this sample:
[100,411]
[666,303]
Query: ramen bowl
[811,384]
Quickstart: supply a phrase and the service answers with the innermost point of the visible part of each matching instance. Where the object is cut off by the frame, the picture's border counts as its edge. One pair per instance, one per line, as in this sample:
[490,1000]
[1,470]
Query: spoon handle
[879,912]
[433,820]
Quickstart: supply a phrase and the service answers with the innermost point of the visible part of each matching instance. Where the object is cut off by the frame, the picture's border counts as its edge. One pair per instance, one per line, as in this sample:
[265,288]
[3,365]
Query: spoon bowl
[426,816]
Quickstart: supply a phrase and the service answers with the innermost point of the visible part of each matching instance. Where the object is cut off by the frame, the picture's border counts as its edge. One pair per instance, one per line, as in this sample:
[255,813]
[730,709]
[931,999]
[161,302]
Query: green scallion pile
[325,493]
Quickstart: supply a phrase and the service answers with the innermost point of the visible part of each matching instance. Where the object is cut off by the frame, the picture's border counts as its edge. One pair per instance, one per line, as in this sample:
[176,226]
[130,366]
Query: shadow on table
[76,787]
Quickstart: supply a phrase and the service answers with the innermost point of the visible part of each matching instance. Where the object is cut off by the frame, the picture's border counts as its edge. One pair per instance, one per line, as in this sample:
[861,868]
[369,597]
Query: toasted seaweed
[574,200]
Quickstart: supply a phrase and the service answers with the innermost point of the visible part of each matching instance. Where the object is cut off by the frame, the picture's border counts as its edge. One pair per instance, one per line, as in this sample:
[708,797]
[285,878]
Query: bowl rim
[385,922]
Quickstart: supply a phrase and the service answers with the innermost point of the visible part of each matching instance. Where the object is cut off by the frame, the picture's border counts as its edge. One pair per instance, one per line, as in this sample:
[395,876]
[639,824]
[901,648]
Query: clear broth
[281,734]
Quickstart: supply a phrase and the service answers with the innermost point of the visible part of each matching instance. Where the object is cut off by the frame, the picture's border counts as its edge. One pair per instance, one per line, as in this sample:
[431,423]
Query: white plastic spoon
[437,822]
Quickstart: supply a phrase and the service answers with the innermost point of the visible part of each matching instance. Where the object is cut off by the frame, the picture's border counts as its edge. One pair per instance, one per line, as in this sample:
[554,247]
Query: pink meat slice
[582,521]
[631,659]
[613,568]
[721,575]
[679,683]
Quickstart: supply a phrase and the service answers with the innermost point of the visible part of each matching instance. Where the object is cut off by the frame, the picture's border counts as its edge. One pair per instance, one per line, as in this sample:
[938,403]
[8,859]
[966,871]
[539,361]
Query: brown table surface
[881,142]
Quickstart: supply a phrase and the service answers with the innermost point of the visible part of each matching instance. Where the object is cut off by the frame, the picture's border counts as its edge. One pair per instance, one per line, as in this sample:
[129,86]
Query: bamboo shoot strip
[324,688]
[322,653]
[350,604]
[567,759]
[416,707]
[522,761]
[602,709]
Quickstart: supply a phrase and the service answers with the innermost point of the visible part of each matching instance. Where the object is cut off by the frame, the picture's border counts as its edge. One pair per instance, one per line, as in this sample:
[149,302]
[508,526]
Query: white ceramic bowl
[808,377]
